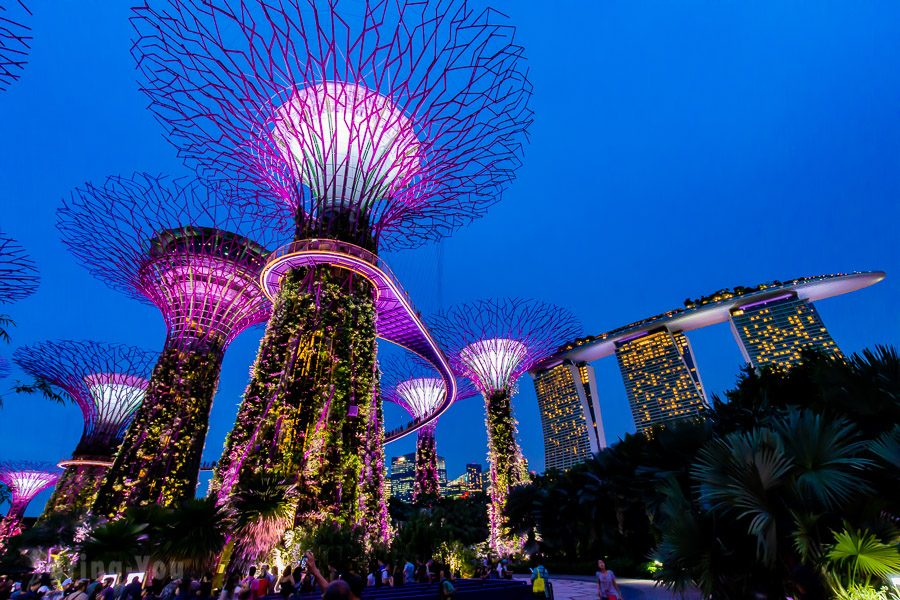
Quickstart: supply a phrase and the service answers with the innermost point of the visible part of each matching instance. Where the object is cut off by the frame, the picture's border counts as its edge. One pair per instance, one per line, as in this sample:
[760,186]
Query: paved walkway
[582,587]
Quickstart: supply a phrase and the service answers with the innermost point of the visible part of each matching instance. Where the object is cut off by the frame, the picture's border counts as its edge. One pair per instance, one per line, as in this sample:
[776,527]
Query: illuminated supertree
[15,40]
[415,386]
[196,258]
[365,125]
[24,480]
[491,343]
[108,382]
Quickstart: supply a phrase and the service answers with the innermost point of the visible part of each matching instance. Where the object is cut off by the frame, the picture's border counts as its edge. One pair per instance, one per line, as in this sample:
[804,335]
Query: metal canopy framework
[15,41]
[107,381]
[174,244]
[18,273]
[401,119]
[492,342]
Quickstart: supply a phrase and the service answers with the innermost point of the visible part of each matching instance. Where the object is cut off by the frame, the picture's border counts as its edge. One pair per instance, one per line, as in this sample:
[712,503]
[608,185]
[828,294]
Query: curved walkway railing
[397,320]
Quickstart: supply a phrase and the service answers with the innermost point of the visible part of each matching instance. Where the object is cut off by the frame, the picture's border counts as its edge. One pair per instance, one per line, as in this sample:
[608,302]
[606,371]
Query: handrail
[414,335]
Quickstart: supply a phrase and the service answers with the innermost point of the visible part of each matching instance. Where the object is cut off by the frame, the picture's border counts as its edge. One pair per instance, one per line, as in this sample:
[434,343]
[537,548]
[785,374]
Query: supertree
[18,278]
[24,480]
[108,383]
[415,386]
[15,40]
[197,258]
[491,343]
[379,125]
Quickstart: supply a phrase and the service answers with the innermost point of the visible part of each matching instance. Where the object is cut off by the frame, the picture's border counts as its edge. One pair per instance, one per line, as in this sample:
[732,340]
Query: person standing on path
[607,586]
[540,581]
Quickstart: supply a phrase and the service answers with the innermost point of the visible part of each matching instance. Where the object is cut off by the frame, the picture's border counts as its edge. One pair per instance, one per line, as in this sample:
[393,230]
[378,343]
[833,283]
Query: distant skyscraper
[661,379]
[442,471]
[570,414]
[475,480]
[403,475]
[470,482]
[776,330]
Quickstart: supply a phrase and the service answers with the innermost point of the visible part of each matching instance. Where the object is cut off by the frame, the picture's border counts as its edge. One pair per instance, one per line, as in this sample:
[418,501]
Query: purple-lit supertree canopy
[415,386]
[197,258]
[491,343]
[24,480]
[15,40]
[381,123]
[108,382]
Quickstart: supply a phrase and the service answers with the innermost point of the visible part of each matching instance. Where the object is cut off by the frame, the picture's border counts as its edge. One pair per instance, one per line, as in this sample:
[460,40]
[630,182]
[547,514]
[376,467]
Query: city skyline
[788,143]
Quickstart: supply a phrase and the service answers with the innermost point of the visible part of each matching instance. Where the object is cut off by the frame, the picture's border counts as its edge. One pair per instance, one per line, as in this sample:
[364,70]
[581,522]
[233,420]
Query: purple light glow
[25,480]
[177,245]
[492,342]
[107,381]
[407,116]
[766,301]
[18,274]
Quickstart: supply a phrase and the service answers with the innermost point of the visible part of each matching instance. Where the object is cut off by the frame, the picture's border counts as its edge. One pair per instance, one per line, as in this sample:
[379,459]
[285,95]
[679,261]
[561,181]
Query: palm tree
[262,508]
[859,557]
[194,534]
[120,542]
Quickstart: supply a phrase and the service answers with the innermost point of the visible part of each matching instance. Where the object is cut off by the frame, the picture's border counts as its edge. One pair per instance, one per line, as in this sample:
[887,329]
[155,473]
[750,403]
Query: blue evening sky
[678,148]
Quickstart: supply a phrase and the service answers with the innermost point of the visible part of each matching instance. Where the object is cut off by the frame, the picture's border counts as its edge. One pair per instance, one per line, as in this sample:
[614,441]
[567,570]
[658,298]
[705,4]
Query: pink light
[421,396]
[351,146]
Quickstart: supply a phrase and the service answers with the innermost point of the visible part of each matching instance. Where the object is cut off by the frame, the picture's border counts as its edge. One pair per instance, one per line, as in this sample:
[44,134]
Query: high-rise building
[403,475]
[775,331]
[661,379]
[442,472]
[475,480]
[470,482]
[570,414]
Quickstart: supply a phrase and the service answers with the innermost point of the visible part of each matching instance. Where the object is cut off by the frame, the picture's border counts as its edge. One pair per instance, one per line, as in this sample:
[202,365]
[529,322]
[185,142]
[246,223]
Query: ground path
[582,587]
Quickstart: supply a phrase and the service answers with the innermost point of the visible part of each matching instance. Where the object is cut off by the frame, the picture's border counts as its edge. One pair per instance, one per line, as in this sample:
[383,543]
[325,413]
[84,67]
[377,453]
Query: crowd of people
[305,577]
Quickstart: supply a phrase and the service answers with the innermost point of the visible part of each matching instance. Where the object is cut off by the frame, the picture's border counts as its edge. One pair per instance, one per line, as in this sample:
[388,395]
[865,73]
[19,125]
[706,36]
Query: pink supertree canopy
[18,273]
[107,381]
[25,480]
[403,119]
[413,384]
[492,342]
[15,40]
[176,245]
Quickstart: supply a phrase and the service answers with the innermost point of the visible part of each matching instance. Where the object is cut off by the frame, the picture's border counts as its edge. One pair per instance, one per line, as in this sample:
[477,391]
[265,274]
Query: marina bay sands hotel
[773,323]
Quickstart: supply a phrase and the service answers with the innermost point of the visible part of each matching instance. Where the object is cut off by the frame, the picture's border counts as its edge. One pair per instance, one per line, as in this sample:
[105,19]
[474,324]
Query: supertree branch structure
[108,382]
[491,343]
[393,119]
[15,40]
[18,273]
[196,257]
[415,386]
[377,124]
[24,480]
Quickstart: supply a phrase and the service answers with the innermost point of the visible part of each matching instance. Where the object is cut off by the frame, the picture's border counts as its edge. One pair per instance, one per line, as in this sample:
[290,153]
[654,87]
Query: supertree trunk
[427,486]
[373,502]
[159,460]
[507,467]
[306,407]
[75,491]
